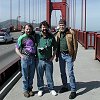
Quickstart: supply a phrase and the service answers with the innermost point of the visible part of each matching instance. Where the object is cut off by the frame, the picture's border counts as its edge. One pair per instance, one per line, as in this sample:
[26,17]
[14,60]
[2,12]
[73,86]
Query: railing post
[97,48]
[85,40]
[95,39]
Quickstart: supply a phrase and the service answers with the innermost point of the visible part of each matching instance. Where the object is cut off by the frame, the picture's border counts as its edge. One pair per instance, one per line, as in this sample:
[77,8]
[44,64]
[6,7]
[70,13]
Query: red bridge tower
[55,6]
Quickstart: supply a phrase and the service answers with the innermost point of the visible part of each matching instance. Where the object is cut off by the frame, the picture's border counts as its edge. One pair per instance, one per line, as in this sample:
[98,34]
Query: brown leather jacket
[72,43]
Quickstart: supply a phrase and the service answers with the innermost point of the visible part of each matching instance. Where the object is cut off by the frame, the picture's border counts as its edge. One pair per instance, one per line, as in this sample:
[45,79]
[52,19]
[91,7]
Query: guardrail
[87,39]
[9,70]
[97,46]
[91,39]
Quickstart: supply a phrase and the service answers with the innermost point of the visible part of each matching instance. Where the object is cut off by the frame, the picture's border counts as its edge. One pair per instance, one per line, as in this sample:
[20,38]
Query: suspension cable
[68,12]
[38,9]
[85,18]
[29,11]
[18,8]
[24,11]
[71,11]
[74,12]
[33,13]
[55,16]
[82,15]
[11,12]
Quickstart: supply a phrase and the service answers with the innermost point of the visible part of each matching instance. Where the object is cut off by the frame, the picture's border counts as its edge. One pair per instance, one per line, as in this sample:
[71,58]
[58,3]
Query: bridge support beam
[55,6]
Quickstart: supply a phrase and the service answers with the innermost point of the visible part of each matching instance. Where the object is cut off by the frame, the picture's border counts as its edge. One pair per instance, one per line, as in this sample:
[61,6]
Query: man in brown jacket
[67,49]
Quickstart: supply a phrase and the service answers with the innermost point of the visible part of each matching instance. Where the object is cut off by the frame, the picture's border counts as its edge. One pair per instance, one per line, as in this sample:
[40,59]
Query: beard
[63,29]
[45,31]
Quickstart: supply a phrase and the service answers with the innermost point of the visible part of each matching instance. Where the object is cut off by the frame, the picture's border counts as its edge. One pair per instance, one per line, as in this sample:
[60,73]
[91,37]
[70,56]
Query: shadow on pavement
[88,86]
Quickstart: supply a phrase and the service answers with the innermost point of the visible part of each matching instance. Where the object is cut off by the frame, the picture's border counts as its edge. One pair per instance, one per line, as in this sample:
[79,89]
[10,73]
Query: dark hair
[45,23]
[62,21]
[29,25]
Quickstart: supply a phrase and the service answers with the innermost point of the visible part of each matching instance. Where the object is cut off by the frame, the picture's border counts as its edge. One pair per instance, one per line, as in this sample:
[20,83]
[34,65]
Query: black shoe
[31,93]
[26,94]
[72,95]
[63,89]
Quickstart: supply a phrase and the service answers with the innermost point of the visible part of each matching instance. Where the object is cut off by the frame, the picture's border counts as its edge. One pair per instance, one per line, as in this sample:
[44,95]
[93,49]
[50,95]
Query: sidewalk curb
[9,84]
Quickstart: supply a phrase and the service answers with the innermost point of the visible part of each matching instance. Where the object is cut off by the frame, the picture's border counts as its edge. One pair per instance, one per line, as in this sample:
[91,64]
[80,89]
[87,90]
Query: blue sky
[93,15]
[39,13]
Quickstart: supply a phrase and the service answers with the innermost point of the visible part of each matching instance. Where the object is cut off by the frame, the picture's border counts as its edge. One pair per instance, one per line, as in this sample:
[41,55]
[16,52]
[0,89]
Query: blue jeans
[28,70]
[65,62]
[47,67]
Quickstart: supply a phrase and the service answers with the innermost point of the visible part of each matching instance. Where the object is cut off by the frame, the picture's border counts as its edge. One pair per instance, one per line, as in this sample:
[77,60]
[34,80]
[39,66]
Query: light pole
[18,23]
[10,13]
[33,22]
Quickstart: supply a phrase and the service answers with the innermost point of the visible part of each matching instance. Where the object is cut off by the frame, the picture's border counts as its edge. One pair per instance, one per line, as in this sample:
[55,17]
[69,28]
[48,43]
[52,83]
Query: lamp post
[18,23]
[33,22]
[10,13]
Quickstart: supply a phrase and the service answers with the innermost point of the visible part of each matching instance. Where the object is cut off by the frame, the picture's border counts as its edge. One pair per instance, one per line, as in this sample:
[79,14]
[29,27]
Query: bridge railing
[80,37]
[89,39]
[97,46]
[86,39]
[9,70]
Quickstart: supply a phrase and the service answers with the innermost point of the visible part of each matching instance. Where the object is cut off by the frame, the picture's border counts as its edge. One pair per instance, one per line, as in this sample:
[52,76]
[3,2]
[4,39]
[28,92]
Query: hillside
[6,24]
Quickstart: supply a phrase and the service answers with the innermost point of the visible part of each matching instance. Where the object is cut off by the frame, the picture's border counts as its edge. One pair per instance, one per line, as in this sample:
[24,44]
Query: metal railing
[89,39]
[86,39]
[97,46]
[8,71]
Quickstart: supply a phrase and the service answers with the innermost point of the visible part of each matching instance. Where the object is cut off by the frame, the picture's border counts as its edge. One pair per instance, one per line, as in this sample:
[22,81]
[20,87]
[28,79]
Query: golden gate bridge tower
[55,6]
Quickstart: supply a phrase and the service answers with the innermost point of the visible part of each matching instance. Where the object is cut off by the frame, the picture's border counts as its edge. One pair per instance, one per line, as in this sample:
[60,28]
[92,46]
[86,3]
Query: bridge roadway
[7,52]
[87,72]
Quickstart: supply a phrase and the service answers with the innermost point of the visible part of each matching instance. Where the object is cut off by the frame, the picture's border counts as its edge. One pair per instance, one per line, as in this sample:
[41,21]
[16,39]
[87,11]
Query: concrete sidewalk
[87,72]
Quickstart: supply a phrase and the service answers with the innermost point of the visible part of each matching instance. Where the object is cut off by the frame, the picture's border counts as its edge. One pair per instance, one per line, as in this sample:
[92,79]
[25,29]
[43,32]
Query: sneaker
[53,92]
[31,93]
[72,95]
[26,94]
[63,89]
[40,93]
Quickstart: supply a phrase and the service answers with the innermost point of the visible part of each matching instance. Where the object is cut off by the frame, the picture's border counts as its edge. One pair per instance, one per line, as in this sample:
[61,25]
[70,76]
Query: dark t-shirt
[26,44]
[47,44]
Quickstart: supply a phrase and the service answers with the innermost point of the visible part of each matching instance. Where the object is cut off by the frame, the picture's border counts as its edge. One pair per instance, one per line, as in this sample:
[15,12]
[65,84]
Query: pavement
[87,73]
[7,51]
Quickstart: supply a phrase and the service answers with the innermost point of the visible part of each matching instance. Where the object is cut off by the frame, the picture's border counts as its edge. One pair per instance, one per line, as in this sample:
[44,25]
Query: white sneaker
[40,93]
[53,92]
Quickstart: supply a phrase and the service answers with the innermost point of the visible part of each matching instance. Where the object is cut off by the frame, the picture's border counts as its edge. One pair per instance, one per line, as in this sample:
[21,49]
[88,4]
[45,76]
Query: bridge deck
[87,72]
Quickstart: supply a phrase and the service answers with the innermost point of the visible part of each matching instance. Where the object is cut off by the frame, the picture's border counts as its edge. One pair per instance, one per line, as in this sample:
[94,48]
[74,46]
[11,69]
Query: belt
[30,55]
[65,52]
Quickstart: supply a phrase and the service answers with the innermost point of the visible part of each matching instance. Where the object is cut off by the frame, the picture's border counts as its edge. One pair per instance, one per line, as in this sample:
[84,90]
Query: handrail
[7,71]
[97,47]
